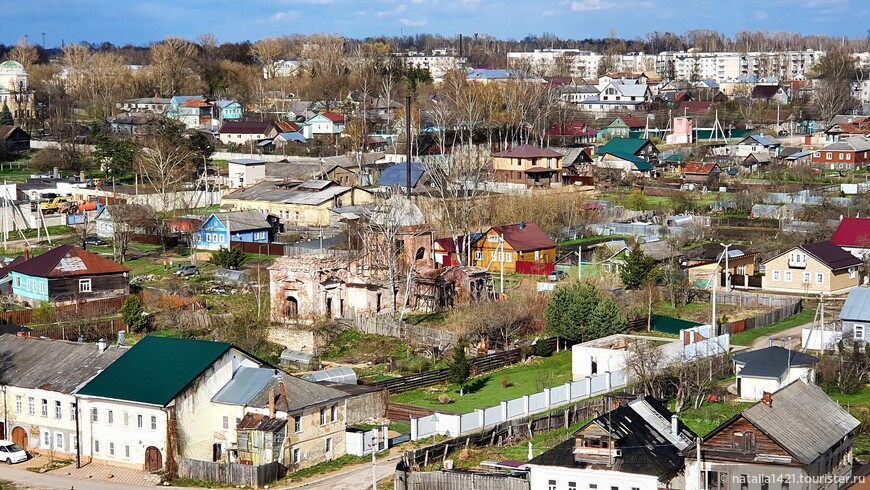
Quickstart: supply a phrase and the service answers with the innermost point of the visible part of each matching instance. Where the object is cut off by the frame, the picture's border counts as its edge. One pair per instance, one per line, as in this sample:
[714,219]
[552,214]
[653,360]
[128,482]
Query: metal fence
[455,480]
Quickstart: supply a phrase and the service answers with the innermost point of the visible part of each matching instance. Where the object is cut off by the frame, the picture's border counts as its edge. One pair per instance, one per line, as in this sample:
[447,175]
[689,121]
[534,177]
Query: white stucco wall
[540,476]
[61,431]
[98,437]
[605,359]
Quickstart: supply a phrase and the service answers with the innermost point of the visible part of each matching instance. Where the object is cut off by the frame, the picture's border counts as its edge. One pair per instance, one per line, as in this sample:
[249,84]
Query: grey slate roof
[247,382]
[300,394]
[771,362]
[398,175]
[306,193]
[854,143]
[857,305]
[803,419]
[52,365]
[244,220]
[298,170]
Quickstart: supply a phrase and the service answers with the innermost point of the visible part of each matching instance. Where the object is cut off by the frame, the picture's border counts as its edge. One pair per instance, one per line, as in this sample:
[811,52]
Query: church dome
[12,67]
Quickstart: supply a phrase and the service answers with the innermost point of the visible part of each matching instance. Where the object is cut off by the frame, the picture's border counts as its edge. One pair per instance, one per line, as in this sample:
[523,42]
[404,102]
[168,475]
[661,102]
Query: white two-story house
[39,378]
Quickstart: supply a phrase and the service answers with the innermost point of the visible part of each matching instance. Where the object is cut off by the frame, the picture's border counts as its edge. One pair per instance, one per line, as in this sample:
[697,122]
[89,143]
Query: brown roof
[525,237]
[831,255]
[632,121]
[528,151]
[7,131]
[287,127]
[196,103]
[66,261]
[246,127]
[699,168]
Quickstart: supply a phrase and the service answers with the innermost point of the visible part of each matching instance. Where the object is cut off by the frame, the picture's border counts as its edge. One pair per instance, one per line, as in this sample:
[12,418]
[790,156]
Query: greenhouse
[232,278]
[344,375]
[300,361]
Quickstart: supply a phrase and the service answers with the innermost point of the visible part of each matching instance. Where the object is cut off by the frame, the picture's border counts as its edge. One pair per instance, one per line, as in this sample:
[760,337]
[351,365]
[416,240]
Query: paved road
[354,478]
[41,481]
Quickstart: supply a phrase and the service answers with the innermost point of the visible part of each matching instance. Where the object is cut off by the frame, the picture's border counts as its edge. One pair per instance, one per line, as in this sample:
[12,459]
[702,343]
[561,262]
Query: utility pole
[408,141]
[501,257]
[374,446]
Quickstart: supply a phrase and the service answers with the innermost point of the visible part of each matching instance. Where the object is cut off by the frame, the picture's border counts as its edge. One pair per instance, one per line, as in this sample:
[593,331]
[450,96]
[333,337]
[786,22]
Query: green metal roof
[676,157]
[672,325]
[156,370]
[626,145]
[639,163]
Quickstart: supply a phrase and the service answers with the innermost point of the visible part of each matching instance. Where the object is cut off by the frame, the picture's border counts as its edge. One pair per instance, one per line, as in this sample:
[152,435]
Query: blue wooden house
[228,110]
[219,229]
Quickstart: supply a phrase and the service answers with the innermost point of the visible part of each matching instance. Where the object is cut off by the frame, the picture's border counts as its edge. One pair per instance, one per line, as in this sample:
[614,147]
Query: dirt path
[792,338]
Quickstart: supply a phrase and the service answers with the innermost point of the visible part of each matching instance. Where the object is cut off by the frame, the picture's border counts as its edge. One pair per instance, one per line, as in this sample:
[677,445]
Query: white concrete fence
[454,425]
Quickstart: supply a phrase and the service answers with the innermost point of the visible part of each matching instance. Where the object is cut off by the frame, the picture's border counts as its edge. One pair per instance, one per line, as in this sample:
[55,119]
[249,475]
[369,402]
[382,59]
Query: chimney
[782,341]
[615,404]
[26,253]
[284,395]
[272,403]
[675,425]
[122,338]
[102,345]
[522,225]
[767,399]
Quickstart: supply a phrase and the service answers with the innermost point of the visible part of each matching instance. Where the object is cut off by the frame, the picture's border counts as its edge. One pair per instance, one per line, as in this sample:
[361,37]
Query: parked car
[187,270]
[11,452]
[94,240]
[556,276]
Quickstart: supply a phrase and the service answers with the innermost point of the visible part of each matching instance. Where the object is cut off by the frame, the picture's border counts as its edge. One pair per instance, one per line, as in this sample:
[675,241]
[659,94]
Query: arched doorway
[291,308]
[19,436]
[153,459]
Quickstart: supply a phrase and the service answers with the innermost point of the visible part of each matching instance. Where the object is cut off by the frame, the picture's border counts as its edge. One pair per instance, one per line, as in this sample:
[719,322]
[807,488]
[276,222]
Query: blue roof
[489,74]
[224,102]
[181,99]
[293,136]
[397,175]
[247,383]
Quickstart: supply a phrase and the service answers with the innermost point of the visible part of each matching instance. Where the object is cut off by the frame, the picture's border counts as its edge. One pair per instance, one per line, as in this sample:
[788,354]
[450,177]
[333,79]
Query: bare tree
[170,60]
[833,92]
[24,53]
[267,51]
[644,360]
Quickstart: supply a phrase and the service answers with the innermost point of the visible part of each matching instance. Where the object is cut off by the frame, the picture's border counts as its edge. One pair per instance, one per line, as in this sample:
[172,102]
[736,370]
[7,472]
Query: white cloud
[760,15]
[390,13]
[284,16]
[591,5]
[413,22]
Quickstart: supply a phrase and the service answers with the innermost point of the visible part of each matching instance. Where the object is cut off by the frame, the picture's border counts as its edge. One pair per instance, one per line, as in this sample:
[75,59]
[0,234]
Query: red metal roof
[525,237]
[196,103]
[336,118]
[699,168]
[65,261]
[853,232]
[528,151]
[632,121]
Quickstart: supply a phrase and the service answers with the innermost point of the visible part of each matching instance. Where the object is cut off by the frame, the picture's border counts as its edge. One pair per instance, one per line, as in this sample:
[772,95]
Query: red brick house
[846,154]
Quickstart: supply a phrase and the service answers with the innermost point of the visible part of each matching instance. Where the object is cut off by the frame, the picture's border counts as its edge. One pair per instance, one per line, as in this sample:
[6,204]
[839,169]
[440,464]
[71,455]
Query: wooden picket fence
[232,474]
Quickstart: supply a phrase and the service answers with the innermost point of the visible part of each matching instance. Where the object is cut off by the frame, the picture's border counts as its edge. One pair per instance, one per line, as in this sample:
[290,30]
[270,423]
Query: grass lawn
[353,346]
[710,415]
[16,171]
[53,231]
[858,405]
[486,390]
[746,338]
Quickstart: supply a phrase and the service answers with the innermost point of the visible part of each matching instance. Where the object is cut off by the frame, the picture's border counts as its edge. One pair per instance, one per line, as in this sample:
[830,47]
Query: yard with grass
[858,404]
[748,337]
[487,390]
[710,415]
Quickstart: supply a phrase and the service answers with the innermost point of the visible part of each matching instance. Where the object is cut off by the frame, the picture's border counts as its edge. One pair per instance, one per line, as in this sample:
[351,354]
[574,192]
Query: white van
[11,452]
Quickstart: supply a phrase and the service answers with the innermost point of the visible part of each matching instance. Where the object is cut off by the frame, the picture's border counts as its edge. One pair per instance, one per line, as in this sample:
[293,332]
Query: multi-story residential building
[812,268]
[528,165]
[581,64]
[39,379]
[437,65]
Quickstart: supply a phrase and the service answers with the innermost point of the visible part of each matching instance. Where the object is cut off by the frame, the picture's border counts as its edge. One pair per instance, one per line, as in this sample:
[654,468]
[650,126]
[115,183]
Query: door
[153,459]
[19,436]
[2,430]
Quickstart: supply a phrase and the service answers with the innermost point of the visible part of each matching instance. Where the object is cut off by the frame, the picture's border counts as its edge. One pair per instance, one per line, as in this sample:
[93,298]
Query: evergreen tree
[229,258]
[6,116]
[460,366]
[579,312]
[638,268]
[133,314]
[543,349]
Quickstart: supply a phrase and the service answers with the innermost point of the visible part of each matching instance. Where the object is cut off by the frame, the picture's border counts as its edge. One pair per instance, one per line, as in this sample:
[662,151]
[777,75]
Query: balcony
[797,264]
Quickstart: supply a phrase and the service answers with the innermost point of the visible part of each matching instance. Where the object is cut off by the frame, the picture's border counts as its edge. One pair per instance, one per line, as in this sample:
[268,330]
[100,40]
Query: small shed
[342,374]
[232,278]
[300,361]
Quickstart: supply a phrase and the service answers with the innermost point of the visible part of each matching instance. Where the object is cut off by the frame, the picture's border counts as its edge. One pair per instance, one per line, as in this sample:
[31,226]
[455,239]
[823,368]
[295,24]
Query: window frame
[820,278]
[86,285]
[856,328]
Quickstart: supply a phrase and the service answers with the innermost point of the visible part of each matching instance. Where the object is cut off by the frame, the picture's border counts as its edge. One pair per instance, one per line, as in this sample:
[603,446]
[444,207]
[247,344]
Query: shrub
[543,349]
[133,314]
[505,381]
[229,258]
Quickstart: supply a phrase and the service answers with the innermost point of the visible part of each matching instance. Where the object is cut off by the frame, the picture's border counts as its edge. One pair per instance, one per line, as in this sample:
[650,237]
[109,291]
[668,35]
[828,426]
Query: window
[96,446]
[328,445]
[126,419]
[614,488]
[31,406]
[58,410]
[44,410]
[84,285]
[17,403]
[787,276]
[593,486]
[737,440]
[572,484]
[95,415]
[852,273]
[297,456]
[785,485]
[829,155]
[776,275]
[58,441]
[18,282]
[509,257]
[153,422]
[110,417]
[111,449]
[858,331]
[72,411]
[744,482]
[297,423]
[127,451]
[226,422]
[73,443]
[334,413]
[139,421]
[46,439]
[478,255]
[807,277]
[765,482]
[551,485]
[820,278]
[322,416]
[848,156]
[717,480]
[492,238]
[221,237]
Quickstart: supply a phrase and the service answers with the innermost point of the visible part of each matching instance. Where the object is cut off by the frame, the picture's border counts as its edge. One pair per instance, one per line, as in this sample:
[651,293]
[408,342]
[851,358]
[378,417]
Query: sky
[134,22]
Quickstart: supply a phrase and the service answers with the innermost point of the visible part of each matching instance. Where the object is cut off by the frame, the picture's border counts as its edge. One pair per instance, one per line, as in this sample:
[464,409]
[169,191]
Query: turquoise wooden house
[219,229]
[68,273]
[228,110]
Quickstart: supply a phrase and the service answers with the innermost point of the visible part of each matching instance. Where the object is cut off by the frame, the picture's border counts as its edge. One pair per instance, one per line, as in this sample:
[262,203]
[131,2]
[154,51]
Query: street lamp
[374,446]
